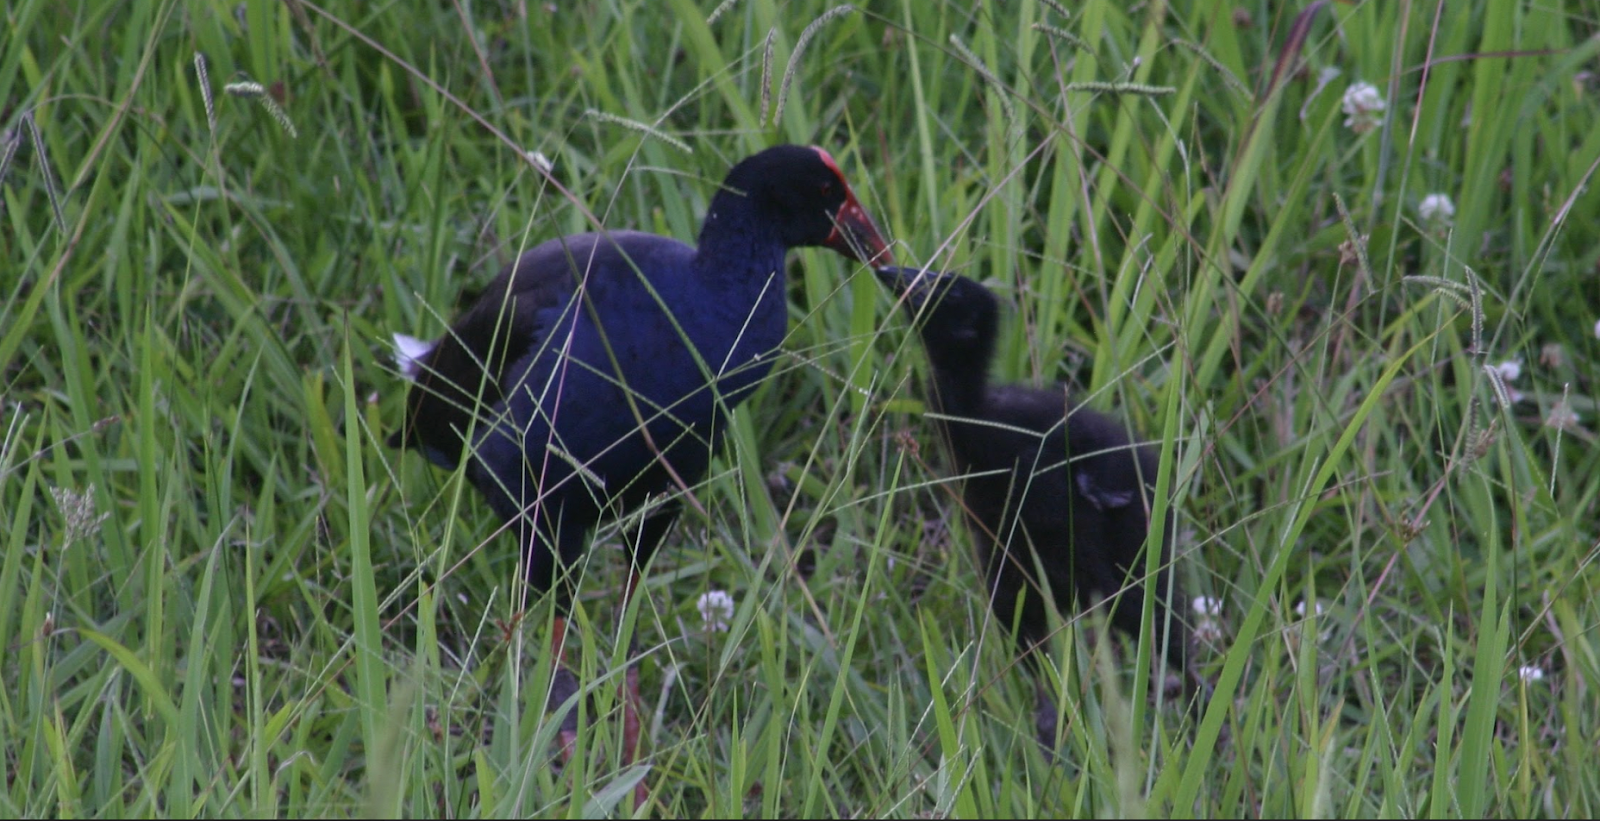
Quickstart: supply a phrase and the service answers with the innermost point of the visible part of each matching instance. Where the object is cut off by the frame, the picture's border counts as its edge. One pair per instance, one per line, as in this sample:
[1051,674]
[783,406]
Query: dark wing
[1100,493]
[463,377]
[1107,467]
[1085,489]
[1014,460]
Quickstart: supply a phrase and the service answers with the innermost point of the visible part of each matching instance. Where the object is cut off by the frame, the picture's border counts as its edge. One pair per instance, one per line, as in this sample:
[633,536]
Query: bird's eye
[827,188]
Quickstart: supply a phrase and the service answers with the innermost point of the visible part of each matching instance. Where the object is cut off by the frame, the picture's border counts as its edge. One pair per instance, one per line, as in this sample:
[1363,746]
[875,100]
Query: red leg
[631,700]
[628,691]
[568,739]
[558,640]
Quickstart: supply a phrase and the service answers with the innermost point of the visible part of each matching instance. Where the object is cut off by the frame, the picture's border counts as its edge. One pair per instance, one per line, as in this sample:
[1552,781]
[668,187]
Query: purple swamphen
[599,369]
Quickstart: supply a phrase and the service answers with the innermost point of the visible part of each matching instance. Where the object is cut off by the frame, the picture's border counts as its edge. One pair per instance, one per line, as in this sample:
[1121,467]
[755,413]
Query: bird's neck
[959,384]
[736,246]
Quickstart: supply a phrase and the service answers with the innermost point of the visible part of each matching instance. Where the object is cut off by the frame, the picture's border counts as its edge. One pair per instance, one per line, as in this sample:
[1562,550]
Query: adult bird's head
[801,191]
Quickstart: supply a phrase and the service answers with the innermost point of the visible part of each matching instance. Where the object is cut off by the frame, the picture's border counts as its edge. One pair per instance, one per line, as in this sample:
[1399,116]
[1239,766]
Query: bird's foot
[1045,721]
[563,685]
[631,725]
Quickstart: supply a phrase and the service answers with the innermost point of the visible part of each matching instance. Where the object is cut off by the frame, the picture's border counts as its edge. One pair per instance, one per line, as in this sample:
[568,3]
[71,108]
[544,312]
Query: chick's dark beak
[894,277]
[911,283]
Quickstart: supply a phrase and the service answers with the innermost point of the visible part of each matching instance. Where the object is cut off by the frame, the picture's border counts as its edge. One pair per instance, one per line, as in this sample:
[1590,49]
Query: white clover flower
[1363,107]
[716,609]
[1300,609]
[1562,416]
[1207,628]
[1530,673]
[1207,631]
[1510,369]
[1437,209]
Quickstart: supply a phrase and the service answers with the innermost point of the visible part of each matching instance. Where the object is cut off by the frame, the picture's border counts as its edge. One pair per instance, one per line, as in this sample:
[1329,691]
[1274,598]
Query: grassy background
[227,597]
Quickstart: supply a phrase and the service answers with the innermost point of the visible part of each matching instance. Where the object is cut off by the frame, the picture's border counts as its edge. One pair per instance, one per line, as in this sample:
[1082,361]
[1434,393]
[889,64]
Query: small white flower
[1363,107]
[1437,209]
[1300,609]
[1562,416]
[1597,329]
[540,161]
[1510,369]
[716,609]
[1208,632]
[1206,606]
[1530,673]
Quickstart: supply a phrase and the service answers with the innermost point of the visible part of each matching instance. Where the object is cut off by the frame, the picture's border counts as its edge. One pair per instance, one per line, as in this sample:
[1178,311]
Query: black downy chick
[1038,471]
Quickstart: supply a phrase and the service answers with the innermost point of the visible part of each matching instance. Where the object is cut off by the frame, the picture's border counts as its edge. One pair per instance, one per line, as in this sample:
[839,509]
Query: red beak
[854,235]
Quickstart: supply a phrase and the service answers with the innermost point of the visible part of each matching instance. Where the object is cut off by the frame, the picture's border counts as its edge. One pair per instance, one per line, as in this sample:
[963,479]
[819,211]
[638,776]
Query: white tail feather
[408,354]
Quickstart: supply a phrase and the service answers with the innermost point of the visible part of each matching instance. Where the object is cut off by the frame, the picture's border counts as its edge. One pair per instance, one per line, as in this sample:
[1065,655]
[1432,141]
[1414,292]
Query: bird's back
[568,384]
[1067,481]
[464,378]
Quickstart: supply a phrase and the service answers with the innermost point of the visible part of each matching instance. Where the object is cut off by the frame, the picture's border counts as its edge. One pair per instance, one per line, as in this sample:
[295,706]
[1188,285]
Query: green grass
[228,598]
